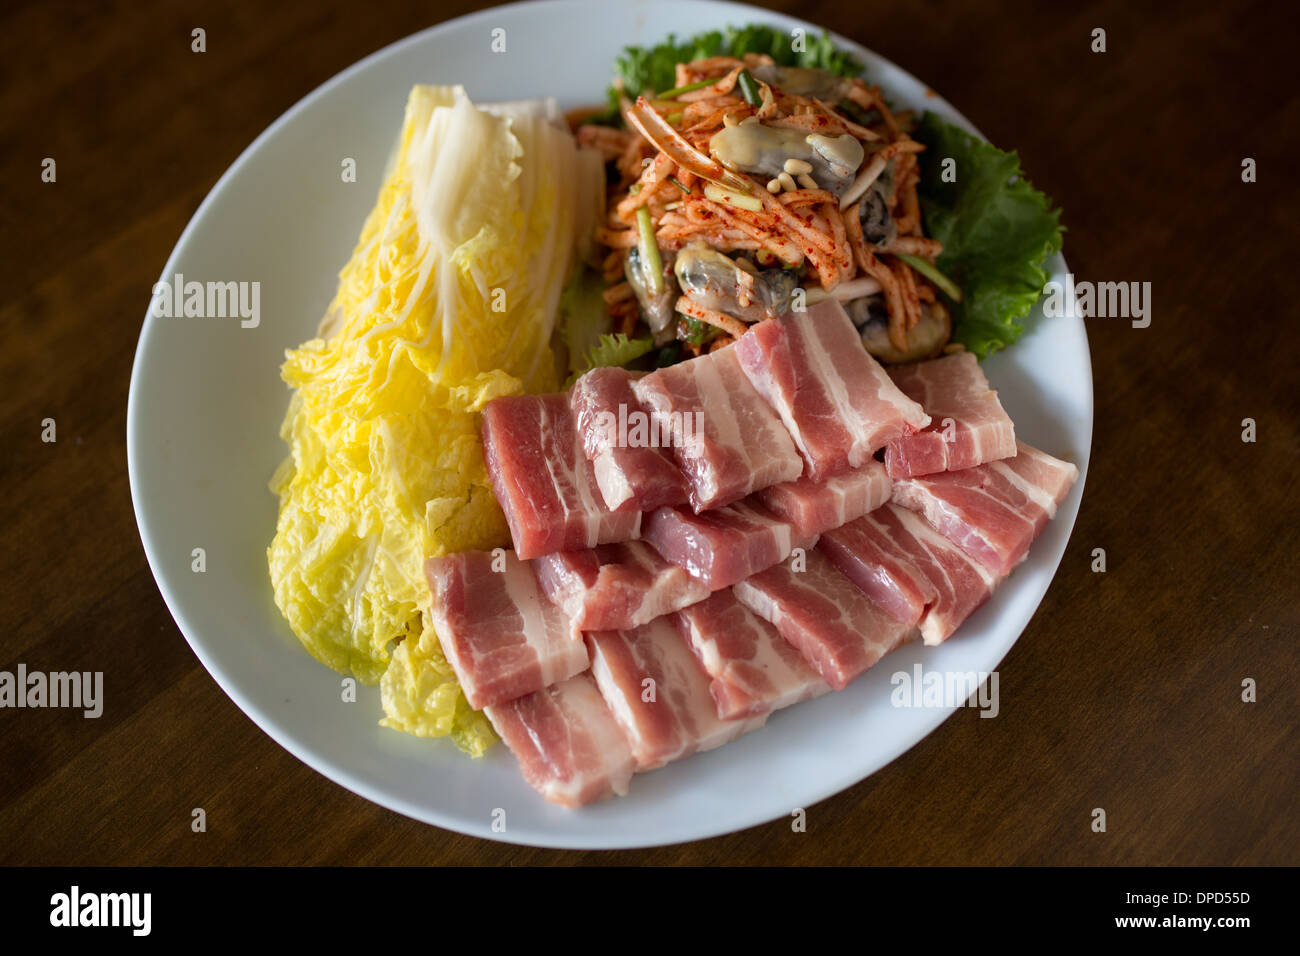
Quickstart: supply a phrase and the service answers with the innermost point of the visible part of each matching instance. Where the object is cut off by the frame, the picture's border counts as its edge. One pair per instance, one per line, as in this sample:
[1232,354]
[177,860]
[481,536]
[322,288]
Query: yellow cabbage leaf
[449,300]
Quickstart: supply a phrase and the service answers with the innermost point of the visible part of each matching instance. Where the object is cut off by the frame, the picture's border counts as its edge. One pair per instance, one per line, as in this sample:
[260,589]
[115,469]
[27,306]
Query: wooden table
[1125,691]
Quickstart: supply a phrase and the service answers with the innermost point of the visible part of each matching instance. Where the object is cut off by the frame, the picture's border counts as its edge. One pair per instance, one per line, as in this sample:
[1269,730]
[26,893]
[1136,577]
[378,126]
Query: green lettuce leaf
[614,350]
[582,318]
[655,68]
[996,231]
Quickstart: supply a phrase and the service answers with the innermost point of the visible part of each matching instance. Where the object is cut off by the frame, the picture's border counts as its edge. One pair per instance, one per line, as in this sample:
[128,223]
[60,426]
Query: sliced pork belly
[754,669]
[543,481]
[740,444]
[909,569]
[631,470]
[722,546]
[567,742]
[659,694]
[500,634]
[616,586]
[836,401]
[866,553]
[992,511]
[835,626]
[812,507]
[967,423]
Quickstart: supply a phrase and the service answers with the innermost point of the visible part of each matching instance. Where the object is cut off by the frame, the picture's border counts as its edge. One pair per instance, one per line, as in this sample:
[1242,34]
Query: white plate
[206,403]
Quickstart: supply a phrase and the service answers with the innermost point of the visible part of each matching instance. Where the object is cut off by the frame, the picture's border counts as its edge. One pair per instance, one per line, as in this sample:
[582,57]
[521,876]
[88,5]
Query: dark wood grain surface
[1124,691]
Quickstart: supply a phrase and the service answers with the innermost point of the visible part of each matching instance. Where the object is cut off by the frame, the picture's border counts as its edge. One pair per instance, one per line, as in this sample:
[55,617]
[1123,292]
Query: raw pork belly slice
[543,480]
[615,587]
[838,629]
[952,387]
[681,718]
[993,511]
[722,546]
[838,404]
[741,446]
[812,507]
[909,569]
[639,476]
[754,669]
[567,742]
[500,634]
